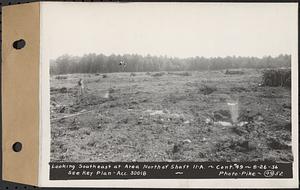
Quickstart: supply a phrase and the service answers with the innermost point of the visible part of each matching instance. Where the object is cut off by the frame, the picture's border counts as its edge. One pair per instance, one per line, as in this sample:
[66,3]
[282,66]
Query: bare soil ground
[175,116]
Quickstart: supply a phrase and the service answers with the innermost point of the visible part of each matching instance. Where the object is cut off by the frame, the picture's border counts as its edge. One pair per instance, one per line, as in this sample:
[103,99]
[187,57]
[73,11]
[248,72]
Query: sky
[171,29]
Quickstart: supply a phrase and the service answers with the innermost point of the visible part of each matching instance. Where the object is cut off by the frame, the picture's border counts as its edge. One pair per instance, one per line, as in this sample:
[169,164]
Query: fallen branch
[72,115]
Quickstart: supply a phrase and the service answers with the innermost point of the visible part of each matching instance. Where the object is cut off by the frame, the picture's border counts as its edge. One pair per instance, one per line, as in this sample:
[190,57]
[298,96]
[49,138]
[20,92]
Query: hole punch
[19,44]
[17,146]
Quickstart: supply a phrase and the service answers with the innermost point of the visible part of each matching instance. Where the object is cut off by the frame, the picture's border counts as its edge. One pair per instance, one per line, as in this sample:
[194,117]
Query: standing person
[80,85]
[123,65]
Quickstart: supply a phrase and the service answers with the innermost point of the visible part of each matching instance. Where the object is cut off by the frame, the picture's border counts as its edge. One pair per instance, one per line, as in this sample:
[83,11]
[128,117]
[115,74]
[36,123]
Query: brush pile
[233,72]
[205,89]
[61,77]
[278,77]
[180,73]
[158,74]
[132,74]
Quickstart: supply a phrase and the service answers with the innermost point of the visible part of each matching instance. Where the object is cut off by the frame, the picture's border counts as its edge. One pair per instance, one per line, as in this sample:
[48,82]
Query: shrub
[279,77]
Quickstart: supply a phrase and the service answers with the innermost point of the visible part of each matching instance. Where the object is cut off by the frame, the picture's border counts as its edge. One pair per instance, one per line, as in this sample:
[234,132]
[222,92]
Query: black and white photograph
[141,94]
[155,84]
[150,95]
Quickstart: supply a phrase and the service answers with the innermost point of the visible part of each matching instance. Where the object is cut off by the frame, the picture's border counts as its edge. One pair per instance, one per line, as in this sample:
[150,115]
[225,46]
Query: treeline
[93,63]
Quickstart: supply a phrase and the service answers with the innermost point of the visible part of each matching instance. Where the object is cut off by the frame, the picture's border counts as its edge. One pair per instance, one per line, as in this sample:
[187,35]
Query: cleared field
[176,116]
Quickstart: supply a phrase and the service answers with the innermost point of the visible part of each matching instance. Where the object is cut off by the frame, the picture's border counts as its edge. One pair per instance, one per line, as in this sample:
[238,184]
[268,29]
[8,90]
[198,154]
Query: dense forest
[93,63]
